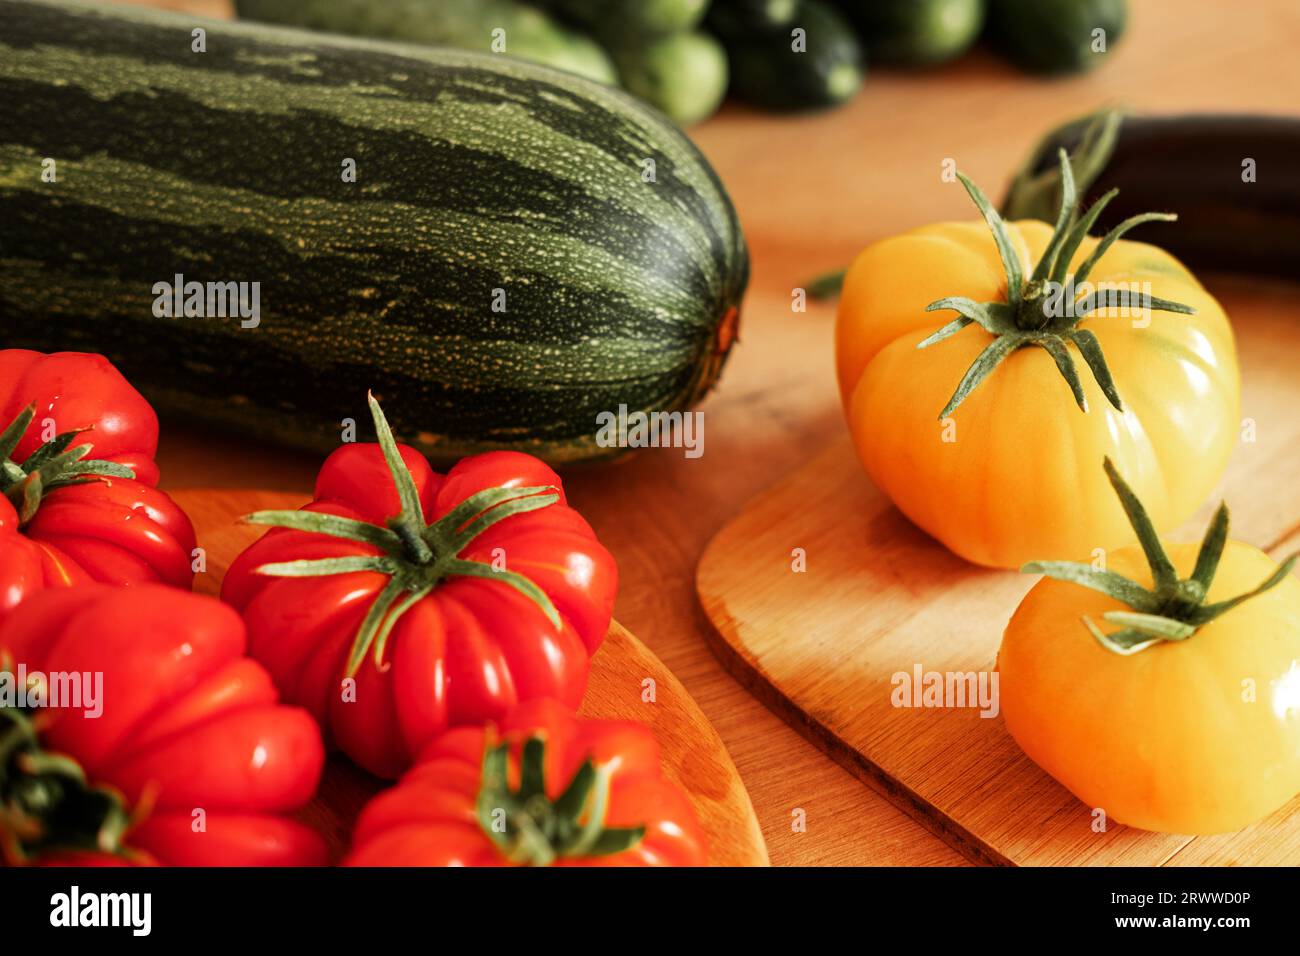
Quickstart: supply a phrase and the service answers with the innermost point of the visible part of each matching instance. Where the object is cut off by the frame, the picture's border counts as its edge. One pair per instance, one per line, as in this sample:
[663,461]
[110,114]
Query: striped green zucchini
[480,180]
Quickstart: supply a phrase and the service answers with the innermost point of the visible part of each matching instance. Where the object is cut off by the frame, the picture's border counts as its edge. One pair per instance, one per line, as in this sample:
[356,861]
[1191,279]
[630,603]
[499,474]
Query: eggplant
[1233,180]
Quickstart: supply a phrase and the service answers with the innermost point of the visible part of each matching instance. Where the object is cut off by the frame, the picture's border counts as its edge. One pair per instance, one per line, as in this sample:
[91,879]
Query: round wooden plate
[693,754]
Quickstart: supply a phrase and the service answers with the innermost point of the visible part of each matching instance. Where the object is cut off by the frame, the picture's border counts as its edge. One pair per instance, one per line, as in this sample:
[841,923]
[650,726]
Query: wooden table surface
[811,192]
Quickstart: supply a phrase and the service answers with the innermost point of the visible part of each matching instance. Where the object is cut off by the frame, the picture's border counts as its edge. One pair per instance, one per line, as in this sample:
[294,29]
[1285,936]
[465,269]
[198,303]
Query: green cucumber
[769,71]
[1056,36]
[481,181]
[731,17]
[490,26]
[632,18]
[684,74]
[915,32]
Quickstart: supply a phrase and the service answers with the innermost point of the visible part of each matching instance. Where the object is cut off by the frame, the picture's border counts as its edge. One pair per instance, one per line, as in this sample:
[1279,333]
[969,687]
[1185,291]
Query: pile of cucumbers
[684,56]
[655,49]
[841,36]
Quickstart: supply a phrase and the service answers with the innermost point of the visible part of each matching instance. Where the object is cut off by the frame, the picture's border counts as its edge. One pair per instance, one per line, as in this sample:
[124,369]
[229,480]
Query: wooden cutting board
[693,754]
[878,596]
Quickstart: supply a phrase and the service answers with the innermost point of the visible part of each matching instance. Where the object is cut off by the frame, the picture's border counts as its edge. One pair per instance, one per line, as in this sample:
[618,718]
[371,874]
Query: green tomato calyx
[529,828]
[1174,608]
[1045,308]
[416,555]
[46,804]
[51,466]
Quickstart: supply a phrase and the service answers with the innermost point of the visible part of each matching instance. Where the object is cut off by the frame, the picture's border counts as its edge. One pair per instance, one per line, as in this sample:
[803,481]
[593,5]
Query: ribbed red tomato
[541,787]
[469,591]
[189,733]
[77,474]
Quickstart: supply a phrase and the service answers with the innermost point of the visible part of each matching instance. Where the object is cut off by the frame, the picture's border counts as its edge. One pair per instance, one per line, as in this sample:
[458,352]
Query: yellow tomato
[1200,735]
[1012,474]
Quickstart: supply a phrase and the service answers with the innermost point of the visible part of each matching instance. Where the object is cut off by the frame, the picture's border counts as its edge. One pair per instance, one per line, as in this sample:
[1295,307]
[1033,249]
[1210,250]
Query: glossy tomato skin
[113,530]
[465,653]
[1198,736]
[1015,474]
[187,722]
[430,817]
[27,566]
[79,390]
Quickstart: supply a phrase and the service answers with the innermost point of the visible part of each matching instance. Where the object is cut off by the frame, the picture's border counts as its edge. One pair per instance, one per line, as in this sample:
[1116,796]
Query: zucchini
[482,181]
[527,32]
[1055,36]
[730,17]
[1192,165]
[915,32]
[632,18]
[684,74]
[768,72]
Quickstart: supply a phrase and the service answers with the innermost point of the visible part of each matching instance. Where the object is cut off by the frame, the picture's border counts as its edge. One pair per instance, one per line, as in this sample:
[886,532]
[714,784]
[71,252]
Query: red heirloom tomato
[177,721]
[542,787]
[469,591]
[67,519]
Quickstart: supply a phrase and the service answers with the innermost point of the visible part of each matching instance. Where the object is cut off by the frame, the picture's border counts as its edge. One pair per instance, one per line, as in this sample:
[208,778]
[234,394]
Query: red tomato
[471,591]
[186,723]
[543,787]
[80,518]
[80,390]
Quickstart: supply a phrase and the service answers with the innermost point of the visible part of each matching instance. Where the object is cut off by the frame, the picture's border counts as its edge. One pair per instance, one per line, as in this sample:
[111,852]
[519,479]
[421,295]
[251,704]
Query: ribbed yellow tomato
[1196,736]
[1012,473]
[1187,720]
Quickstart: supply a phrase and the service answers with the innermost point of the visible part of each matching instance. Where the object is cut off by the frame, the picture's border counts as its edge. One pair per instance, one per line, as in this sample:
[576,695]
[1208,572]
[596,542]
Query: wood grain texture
[811,191]
[879,597]
[693,754]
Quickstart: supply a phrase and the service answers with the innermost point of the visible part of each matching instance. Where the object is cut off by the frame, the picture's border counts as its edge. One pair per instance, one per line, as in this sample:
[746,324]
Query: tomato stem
[416,554]
[1174,608]
[827,285]
[1045,309]
[531,829]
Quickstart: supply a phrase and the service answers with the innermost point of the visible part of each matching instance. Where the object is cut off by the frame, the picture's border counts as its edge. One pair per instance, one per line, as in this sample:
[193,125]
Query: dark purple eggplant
[1233,180]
